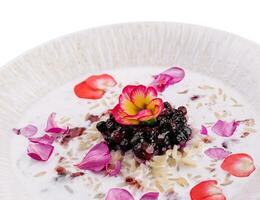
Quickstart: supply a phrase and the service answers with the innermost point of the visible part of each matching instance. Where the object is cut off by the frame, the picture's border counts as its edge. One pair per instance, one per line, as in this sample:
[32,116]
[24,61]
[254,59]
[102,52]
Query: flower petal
[140,115]
[27,131]
[39,151]
[176,73]
[84,91]
[225,129]
[52,126]
[206,190]
[127,90]
[239,165]
[156,106]
[161,82]
[127,105]
[203,130]
[102,81]
[96,159]
[150,196]
[120,116]
[169,77]
[45,139]
[217,153]
[118,194]
[138,96]
[115,170]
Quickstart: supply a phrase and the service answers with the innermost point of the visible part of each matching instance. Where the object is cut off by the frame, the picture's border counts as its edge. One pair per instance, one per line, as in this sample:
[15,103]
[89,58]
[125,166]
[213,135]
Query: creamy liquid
[38,178]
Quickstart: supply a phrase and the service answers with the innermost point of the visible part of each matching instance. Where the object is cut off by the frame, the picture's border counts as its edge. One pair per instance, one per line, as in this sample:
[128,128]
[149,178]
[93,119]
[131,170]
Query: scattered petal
[239,165]
[45,139]
[118,194]
[27,131]
[96,159]
[70,134]
[84,91]
[102,81]
[225,129]
[52,126]
[115,170]
[203,130]
[167,78]
[207,190]
[217,153]
[150,196]
[39,151]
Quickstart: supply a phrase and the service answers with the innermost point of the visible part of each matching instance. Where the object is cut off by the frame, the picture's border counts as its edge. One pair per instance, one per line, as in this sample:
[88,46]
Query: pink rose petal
[118,194]
[225,129]
[27,131]
[96,159]
[115,170]
[39,151]
[217,153]
[52,126]
[169,77]
[45,139]
[203,130]
[150,196]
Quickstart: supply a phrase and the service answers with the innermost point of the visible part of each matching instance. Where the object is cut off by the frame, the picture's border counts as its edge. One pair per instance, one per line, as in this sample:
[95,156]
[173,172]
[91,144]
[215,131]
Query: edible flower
[122,194]
[225,129]
[96,159]
[39,151]
[27,131]
[169,77]
[118,194]
[217,153]
[207,190]
[203,130]
[150,196]
[137,104]
[94,87]
[52,126]
[239,165]
[113,169]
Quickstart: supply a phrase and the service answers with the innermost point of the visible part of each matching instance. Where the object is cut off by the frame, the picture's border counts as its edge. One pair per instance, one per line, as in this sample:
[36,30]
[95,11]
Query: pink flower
[96,159]
[45,139]
[167,78]
[118,194]
[225,129]
[137,104]
[217,153]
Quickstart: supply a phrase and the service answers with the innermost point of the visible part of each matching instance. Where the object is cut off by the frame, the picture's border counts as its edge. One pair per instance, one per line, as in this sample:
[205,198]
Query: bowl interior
[227,57]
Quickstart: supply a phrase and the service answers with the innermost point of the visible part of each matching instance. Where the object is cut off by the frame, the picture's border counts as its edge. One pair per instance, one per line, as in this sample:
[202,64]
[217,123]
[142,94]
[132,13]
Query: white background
[27,23]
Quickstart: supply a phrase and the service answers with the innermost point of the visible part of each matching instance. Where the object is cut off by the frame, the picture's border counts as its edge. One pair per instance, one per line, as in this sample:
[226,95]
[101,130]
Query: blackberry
[146,140]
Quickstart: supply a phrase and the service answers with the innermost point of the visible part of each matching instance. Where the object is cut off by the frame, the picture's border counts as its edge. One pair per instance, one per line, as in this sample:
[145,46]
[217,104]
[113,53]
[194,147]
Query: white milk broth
[216,100]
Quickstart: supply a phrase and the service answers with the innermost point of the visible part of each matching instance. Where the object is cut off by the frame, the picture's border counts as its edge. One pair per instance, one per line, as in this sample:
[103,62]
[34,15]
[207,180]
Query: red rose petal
[239,165]
[39,151]
[84,91]
[101,82]
[216,197]
[206,190]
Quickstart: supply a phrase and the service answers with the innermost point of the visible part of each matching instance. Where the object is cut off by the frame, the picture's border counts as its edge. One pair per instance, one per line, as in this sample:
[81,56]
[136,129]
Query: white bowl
[232,59]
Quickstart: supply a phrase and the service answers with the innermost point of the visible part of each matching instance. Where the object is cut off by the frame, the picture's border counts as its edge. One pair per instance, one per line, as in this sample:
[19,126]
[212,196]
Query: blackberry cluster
[146,140]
